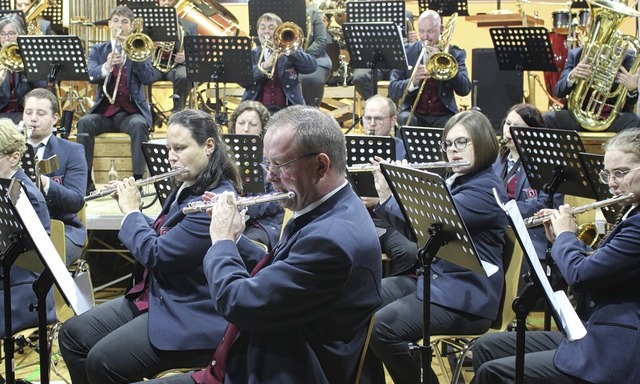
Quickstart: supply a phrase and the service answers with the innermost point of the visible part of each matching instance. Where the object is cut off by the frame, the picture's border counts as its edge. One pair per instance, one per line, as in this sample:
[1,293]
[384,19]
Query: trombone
[287,38]
[163,57]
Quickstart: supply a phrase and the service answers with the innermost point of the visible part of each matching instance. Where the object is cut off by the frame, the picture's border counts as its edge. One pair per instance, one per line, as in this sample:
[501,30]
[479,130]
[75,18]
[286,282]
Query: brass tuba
[605,51]
[287,38]
[31,15]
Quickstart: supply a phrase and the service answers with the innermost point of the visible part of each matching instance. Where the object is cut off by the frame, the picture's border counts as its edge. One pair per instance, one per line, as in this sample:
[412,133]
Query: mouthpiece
[504,141]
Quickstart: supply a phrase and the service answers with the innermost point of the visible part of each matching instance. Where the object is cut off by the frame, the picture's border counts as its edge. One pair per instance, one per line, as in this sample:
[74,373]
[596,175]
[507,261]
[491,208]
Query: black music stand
[423,145]
[20,231]
[217,59]
[54,13]
[523,49]
[288,10]
[156,156]
[7,11]
[160,23]
[376,11]
[445,7]
[5,4]
[434,221]
[579,4]
[562,311]
[375,45]
[360,149]
[593,164]
[138,3]
[28,163]
[247,151]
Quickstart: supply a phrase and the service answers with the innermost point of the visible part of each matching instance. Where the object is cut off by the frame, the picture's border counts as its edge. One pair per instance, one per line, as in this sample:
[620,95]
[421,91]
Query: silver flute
[435,164]
[620,199]
[202,206]
[140,183]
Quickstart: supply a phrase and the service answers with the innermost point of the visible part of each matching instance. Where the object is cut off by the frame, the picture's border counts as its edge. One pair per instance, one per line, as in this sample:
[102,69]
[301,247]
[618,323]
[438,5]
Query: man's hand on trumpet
[559,221]
[227,223]
[127,195]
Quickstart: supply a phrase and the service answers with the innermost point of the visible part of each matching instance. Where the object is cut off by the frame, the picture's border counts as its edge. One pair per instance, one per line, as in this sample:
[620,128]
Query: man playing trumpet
[436,104]
[121,104]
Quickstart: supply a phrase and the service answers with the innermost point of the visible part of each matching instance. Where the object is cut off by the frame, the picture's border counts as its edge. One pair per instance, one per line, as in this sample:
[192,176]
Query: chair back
[512,256]
[365,347]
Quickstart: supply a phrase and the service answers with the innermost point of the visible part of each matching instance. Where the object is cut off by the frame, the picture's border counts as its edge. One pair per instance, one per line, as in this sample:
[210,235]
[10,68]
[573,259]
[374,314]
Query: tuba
[31,15]
[605,50]
[287,38]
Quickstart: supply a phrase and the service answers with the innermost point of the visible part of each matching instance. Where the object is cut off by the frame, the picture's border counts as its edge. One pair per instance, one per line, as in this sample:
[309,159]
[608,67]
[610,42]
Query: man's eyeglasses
[460,144]
[377,119]
[616,175]
[8,34]
[278,169]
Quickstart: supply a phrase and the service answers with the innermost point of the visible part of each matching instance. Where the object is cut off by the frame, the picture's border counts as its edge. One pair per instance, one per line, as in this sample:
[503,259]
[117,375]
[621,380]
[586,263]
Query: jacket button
[434,276]
[592,304]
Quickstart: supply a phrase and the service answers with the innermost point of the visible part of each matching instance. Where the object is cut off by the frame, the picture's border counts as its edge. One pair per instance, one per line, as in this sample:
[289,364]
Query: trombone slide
[202,206]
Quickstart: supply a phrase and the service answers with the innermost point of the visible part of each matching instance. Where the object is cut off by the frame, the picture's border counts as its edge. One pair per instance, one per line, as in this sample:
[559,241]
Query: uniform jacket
[610,308]
[67,186]
[22,88]
[269,216]
[181,312]
[453,286]
[318,38]
[288,68]
[303,318]
[459,84]
[138,74]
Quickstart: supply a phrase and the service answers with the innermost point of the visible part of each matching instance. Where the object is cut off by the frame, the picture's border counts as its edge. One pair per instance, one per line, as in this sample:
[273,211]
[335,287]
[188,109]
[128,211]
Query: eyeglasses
[9,34]
[460,144]
[278,169]
[616,175]
[377,119]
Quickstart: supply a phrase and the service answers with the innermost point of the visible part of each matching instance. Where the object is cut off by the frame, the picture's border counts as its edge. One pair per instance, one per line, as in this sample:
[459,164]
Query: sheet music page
[571,324]
[48,252]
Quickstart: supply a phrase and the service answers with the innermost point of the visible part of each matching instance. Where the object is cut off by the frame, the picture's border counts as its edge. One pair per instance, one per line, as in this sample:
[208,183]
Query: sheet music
[571,324]
[49,254]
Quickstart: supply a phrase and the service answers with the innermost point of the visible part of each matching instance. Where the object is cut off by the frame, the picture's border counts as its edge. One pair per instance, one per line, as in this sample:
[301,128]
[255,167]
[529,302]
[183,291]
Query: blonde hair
[11,140]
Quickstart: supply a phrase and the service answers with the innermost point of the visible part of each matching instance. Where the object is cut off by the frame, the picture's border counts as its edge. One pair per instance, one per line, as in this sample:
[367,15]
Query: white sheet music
[571,324]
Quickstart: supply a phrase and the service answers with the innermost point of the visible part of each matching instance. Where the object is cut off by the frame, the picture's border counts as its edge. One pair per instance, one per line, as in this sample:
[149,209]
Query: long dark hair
[222,165]
[530,114]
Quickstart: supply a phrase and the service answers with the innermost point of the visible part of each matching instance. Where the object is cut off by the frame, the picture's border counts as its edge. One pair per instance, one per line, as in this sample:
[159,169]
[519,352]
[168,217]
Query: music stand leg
[522,306]
[41,287]
[8,258]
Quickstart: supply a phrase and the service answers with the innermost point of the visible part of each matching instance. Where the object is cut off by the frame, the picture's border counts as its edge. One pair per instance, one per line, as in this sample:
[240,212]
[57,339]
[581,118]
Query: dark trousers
[313,85]
[363,81]
[134,125]
[563,120]
[423,120]
[399,322]
[16,117]
[110,344]
[181,86]
[494,359]
[400,250]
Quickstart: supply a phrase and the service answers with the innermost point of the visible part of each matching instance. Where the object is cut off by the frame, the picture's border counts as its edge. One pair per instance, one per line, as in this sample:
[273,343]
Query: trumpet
[202,206]
[620,199]
[435,164]
[139,183]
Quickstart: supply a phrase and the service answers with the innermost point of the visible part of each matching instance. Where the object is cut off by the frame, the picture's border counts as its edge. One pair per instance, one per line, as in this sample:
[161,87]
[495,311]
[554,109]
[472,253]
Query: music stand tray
[53,58]
[160,23]
[288,10]
[247,150]
[551,160]
[593,164]
[156,156]
[360,149]
[423,145]
[138,3]
[366,11]
[523,49]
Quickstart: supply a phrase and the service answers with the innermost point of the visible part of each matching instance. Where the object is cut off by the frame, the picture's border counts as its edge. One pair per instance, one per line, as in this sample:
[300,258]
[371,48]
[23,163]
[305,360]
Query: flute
[202,206]
[620,199]
[435,164]
[140,183]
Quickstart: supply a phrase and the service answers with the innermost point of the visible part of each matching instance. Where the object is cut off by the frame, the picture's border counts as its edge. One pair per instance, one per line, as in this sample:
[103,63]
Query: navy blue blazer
[459,84]
[67,186]
[303,318]
[288,68]
[138,74]
[610,308]
[453,286]
[563,89]
[529,202]
[182,315]
[267,216]
[22,88]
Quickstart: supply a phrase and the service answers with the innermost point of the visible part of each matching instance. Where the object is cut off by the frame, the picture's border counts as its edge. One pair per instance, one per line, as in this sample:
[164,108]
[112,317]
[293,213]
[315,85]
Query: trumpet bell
[442,66]
[138,47]
[11,58]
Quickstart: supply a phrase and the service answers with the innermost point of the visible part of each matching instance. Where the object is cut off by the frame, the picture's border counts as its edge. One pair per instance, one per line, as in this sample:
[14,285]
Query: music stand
[563,313]
[288,10]
[7,11]
[156,156]
[593,164]
[138,3]
[434,222]
[523,49]
[360,149]
[160,23]
[579,4]
[28,163]
[375,45]
[366,11]
[247,152]
[5,4]
[423,145]
[445,7]
[217,59]
[20,231]
[54,13]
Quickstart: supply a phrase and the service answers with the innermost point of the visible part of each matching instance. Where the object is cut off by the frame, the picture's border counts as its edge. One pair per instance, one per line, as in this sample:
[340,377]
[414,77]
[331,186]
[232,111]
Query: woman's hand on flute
[558,221]
[128,195]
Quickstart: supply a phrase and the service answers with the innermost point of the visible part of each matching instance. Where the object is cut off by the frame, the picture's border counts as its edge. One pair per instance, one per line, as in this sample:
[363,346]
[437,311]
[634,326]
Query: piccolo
[140,183]
[620,199]
[202,206]
[435,164]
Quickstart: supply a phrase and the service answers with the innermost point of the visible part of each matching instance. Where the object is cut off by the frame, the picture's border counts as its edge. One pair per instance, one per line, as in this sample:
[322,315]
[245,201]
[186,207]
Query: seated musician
[178,75]
[121,109]
[13,83]
[12,147]
[609,306]
[265,220]
[63,188]
[576,69]
[166,319]
[283,88]
[315,44]
[437,102]
[40,25]
[462,301]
